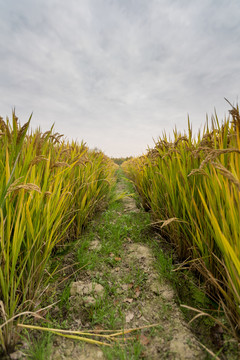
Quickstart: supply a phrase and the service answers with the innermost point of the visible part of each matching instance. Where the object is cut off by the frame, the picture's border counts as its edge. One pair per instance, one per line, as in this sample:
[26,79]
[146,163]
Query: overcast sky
[116,73]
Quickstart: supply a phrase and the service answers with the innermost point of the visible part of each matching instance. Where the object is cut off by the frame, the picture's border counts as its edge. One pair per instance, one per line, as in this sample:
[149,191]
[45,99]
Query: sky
[117,73]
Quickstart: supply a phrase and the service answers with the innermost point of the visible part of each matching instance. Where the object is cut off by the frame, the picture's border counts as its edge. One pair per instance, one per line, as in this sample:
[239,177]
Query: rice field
[49,189]
[192,188]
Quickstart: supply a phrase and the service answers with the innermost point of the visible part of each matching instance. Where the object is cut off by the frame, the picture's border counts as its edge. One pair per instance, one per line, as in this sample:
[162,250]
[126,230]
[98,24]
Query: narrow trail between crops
[151,301]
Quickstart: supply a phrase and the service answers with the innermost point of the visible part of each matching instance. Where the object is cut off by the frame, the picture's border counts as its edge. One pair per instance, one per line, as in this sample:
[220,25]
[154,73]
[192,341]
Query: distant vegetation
[192,187]
[121,160]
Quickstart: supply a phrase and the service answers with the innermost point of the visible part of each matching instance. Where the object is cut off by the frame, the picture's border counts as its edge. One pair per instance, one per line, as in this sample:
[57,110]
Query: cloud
[117,73]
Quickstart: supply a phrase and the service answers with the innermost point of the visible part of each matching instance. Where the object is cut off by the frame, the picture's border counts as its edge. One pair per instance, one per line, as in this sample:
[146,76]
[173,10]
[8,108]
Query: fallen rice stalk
[91,341]
[127,331]
[202,313]
[72,334]
[35,314]
[209,351]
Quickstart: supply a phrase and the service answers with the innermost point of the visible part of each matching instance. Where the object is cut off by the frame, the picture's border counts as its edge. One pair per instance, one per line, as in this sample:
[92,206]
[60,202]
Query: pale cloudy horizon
[117,73]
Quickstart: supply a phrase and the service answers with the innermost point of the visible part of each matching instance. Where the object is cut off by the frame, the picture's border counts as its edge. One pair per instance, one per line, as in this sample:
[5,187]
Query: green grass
[106,313]
[133,351]
[40,348]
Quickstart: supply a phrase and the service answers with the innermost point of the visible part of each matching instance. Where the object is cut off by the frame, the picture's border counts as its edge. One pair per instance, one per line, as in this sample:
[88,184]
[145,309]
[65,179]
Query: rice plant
[49,189]
[192,186]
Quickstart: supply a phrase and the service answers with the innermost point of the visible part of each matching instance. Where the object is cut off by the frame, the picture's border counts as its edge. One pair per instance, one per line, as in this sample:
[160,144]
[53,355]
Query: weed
[131,351]
[40,347]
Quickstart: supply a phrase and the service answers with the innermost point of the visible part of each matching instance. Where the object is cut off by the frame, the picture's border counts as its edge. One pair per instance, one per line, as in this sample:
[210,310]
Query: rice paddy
[50,189]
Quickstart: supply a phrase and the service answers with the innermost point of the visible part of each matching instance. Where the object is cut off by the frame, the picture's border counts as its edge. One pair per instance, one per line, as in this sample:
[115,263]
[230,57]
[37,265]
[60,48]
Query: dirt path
[131,283]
